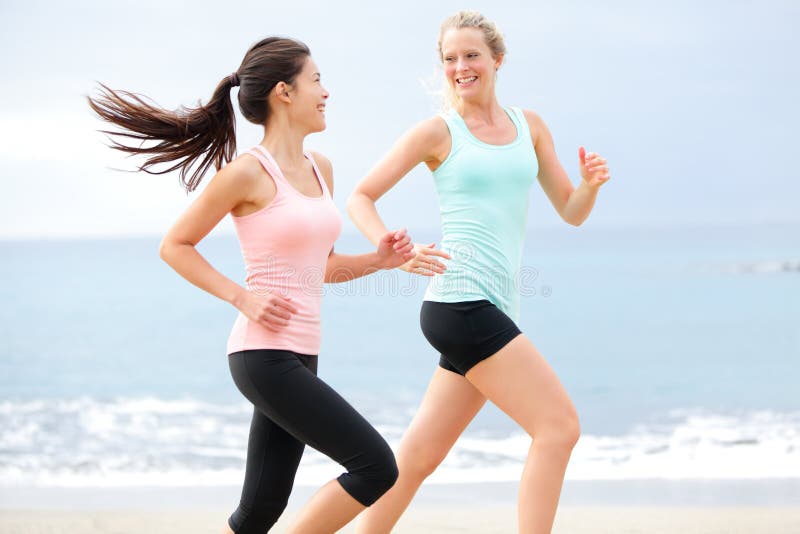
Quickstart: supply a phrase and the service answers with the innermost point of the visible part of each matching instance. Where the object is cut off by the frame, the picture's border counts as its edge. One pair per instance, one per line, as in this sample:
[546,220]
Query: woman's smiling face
[469,66]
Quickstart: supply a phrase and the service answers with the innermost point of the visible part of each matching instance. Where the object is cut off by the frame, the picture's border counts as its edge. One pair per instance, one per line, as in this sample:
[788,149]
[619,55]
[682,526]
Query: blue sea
[679,347]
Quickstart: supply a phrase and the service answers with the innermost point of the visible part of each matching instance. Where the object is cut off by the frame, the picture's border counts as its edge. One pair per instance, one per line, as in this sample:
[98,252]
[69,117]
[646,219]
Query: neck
[285,142]
[486,109]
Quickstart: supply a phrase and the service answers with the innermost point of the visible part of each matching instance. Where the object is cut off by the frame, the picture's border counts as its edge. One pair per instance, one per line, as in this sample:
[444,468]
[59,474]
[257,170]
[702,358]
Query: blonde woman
[484,158]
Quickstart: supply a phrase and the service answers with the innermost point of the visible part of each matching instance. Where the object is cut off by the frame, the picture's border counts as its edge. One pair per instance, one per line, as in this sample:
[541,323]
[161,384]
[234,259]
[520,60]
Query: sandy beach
[427,520]
[691,507]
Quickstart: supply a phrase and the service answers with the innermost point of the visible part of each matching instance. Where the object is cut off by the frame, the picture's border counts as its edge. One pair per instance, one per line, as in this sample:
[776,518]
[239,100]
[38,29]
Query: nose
[325,93]
[461,65]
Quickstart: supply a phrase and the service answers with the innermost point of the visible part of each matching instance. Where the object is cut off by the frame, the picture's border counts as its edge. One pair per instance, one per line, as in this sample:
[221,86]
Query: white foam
[156,442]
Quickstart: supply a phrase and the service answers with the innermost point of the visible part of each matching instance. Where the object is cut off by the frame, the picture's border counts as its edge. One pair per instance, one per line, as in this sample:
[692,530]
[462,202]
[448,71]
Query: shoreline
[427,520]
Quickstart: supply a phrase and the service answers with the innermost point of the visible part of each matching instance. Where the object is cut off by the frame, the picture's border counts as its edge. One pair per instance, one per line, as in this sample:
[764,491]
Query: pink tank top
[285,247]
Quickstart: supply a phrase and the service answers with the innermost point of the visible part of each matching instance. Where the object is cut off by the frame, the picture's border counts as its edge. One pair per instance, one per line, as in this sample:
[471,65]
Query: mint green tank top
[483,194]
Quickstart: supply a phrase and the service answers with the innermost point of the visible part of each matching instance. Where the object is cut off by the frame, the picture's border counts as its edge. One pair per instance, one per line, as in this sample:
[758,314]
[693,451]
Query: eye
[449,59]
[472,55]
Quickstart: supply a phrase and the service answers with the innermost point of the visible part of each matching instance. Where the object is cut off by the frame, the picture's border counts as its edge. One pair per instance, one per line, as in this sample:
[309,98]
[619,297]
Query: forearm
[345,267]
[365,216]
[191,265]
[579,204]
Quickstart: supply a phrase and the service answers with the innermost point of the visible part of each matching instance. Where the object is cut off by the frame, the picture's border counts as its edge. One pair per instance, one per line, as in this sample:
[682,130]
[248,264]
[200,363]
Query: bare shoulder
[243,171]
[431,130]
[325,167]
[429,141]
[240,183]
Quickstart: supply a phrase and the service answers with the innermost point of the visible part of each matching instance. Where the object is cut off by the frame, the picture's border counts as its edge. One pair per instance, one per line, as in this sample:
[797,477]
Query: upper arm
[428,142]
[553,178]
[229,188]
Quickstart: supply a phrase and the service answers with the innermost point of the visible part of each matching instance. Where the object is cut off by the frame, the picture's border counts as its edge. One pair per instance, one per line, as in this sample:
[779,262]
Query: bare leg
[329,509]
[448,406]
[521,383]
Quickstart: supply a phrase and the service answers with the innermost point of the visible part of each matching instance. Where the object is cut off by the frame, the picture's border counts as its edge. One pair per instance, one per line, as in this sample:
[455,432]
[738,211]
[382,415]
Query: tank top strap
[518,117]
[270,166]
[455,124]
[322,183]
[267,161]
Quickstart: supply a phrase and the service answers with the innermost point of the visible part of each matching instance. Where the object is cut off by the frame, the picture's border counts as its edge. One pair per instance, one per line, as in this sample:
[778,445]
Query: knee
[375,476]
[258,518]
[562,432]
[571,430]
[384,468]
[386,473]
[420,462]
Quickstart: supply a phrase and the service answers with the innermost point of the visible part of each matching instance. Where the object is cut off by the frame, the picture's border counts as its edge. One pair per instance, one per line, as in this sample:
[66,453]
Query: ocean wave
[763,267]
[157,442]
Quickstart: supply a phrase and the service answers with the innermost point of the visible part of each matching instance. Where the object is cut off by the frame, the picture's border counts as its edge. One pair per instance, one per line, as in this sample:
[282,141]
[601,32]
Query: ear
[282,92]
[498,61]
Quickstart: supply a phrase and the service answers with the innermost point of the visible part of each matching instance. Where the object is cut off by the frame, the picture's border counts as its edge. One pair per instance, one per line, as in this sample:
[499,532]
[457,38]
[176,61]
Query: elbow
[573,221]
[167,250]
[355,201]
[164,249]
[352,202]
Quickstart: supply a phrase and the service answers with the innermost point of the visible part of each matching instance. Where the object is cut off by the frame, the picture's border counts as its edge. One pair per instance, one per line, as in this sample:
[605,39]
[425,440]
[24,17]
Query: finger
[595,161]
[436,252]
[285,304]
[400,233]
[277,321]
[421,271]
[432,266]
[279,312]
[582,155]
[269,326]
[402,243]
[435,265]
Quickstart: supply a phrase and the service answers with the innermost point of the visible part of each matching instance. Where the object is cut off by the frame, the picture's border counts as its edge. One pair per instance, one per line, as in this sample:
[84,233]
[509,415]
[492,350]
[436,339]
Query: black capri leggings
[293,407]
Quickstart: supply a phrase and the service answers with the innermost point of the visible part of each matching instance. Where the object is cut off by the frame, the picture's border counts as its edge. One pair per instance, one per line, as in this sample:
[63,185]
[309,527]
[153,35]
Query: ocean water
[680,349]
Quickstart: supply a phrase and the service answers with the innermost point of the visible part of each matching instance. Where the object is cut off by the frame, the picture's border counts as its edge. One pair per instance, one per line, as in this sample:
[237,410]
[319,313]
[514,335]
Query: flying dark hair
[194,139]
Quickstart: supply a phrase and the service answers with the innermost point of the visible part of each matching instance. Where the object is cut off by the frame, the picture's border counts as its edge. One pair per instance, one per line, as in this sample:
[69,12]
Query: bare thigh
[522,384]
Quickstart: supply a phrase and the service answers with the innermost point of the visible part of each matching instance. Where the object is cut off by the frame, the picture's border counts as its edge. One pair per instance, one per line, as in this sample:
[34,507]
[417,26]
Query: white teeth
[462,81]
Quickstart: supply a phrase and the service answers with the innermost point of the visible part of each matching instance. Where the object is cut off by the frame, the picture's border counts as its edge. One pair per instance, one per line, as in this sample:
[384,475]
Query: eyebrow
[466,51]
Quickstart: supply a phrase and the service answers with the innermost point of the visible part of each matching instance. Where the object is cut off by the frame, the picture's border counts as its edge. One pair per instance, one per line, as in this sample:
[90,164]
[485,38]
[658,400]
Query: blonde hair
[491,35]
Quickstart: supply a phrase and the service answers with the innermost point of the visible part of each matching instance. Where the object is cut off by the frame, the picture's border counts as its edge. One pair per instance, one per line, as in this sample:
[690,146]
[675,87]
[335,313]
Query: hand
[594,170]
[271,311]
[424,263]
[395,249]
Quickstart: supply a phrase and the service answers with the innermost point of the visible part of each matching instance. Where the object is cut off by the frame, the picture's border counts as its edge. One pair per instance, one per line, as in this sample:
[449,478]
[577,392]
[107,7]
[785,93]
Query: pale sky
[694,104]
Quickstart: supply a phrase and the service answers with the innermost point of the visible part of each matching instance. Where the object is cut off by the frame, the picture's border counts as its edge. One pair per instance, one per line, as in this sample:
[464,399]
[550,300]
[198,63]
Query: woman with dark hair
[279,197]
[484,158]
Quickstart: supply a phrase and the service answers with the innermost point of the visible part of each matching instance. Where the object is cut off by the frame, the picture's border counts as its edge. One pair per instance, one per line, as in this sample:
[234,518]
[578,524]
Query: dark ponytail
[194,139]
